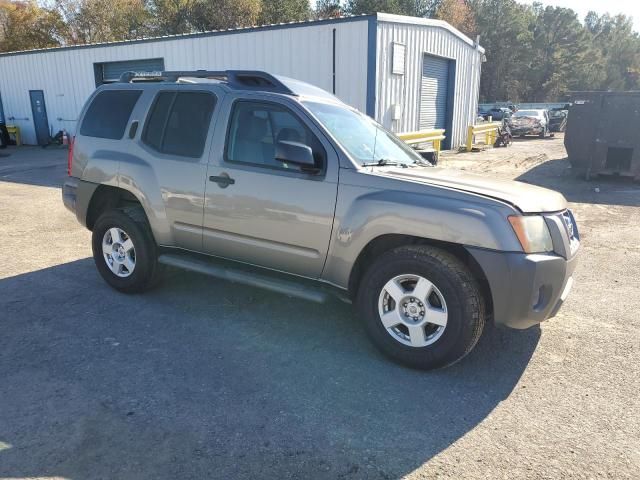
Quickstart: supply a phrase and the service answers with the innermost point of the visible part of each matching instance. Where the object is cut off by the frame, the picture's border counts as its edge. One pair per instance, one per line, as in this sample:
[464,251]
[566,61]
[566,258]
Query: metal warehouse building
[408,73]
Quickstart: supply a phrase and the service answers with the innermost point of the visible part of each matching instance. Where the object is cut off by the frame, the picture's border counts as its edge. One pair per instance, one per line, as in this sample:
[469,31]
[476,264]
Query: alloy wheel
[119,252]
[412,310]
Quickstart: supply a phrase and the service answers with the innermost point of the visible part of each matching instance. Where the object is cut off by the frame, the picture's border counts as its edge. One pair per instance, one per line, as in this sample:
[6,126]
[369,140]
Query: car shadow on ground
[607,190]
[202,378]
[45,167]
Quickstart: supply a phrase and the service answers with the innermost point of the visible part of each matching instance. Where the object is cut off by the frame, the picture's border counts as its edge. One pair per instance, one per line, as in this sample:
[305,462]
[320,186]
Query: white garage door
[433,93]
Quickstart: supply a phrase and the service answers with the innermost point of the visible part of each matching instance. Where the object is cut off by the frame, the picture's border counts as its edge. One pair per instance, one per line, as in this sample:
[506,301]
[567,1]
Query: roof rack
[239,79]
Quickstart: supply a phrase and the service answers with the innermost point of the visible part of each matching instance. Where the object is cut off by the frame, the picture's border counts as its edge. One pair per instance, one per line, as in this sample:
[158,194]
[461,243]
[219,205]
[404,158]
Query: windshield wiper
[384,162]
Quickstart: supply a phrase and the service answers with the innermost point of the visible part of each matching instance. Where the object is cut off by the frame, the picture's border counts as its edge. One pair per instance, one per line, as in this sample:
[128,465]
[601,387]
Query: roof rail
[239,79]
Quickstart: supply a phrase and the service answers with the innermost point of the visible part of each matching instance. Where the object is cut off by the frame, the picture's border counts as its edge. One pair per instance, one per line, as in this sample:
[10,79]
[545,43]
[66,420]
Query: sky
[582,7]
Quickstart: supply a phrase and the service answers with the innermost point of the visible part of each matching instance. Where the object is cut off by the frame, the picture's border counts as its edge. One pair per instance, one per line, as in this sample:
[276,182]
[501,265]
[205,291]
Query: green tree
[415,8]
[171,17]
[359,7]
[223,14]
[24,25]
[562,55]
[503,26]
[328,9]
[90,21]
[281,11]
[619,49]
[459,14]
[419,8]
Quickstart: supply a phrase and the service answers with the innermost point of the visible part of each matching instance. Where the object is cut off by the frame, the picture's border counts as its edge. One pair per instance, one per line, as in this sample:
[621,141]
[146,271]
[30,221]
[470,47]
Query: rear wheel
[124,250]
[421,306]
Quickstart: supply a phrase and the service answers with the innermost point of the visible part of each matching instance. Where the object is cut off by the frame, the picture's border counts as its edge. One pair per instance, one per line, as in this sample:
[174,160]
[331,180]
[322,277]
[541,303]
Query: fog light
[541,298]
[536,298]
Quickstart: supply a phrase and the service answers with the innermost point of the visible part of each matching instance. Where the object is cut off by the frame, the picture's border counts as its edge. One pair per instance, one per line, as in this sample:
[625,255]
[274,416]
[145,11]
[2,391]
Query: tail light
[70,156]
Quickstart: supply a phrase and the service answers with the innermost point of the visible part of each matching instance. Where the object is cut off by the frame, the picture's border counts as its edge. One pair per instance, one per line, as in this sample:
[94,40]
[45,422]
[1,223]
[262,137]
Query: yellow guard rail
[490,131]
[423,136]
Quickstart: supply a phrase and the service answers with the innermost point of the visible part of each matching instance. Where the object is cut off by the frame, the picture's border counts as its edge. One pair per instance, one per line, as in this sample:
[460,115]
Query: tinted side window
[256,128]
[178,123]
[157,119]
[109,113]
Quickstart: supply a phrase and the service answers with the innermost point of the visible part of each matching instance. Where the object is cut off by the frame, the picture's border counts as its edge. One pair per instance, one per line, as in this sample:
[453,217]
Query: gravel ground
[203,379]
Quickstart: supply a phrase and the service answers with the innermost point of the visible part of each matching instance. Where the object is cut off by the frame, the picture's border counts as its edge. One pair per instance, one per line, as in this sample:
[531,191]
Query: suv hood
[527,198]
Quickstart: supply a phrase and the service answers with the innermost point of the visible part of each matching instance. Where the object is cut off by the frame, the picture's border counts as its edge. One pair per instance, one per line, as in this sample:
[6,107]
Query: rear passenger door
[259,210]
[174,140]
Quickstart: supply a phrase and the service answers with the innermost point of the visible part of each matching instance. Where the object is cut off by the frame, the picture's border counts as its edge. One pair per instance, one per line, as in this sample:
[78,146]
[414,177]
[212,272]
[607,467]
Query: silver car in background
[530,122]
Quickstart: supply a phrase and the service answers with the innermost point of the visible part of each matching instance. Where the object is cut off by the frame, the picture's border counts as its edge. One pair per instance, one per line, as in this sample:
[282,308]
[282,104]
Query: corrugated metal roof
[427,22]
[382,17]
[210,33]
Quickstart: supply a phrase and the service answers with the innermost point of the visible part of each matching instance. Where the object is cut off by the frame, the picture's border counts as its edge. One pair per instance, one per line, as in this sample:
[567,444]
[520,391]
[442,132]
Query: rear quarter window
[178,123]
[109,113]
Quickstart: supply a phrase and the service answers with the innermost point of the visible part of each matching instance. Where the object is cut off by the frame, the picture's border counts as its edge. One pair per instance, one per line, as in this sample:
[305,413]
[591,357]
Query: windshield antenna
[375,143]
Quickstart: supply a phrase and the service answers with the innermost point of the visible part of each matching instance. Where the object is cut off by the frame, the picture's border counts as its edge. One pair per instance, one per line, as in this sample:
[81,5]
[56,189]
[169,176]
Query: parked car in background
[558,120]
[497,114]
[530,122]
[249,177]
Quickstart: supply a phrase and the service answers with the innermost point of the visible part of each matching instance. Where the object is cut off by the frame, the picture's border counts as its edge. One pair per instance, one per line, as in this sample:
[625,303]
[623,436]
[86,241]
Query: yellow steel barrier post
[470,138]
[15,131]
[434,137]
[489,130]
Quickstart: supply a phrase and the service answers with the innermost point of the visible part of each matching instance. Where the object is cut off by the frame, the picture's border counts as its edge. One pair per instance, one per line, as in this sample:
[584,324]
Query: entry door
[40,120]
[433,93]
[259,210]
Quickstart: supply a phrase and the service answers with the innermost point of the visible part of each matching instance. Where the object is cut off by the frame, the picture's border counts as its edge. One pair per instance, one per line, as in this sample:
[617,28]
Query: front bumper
[528,130]
[526,289]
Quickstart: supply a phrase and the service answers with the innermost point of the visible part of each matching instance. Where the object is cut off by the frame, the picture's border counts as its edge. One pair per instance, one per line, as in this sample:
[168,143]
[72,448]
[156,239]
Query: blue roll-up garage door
[433,93]
[111,71]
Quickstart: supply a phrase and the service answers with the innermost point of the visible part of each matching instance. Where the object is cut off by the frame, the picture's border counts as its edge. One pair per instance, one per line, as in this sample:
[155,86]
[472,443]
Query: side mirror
[296,153]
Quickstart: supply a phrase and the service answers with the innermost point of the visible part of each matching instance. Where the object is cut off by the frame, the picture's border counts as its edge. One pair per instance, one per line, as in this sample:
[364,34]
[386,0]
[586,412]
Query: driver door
[259,210]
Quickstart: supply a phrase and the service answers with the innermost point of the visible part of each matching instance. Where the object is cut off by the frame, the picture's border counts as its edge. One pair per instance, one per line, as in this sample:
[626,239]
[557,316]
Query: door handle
[223,181]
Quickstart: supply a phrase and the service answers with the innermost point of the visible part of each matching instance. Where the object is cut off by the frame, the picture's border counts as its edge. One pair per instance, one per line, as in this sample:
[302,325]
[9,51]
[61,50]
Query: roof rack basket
[240,79]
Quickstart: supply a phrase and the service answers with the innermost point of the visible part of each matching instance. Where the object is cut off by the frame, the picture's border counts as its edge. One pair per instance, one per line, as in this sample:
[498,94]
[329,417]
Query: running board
[238,275]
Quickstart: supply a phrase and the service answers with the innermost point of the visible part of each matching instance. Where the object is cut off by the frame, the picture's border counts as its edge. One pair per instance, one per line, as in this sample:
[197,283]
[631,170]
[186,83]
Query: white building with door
[408,73]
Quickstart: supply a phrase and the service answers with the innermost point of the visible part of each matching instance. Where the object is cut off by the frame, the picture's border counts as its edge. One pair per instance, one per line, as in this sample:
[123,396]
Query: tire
[457,302]
[132,224]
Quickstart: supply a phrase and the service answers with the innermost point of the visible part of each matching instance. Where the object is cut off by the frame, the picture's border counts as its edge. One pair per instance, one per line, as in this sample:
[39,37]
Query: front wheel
[124,250]
[421,306]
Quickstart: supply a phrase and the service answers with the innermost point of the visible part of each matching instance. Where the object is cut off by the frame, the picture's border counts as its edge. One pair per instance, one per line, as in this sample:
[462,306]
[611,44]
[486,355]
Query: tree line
[533,53]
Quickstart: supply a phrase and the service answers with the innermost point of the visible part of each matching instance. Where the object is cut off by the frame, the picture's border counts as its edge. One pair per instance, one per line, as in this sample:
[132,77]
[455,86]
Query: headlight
[532,232]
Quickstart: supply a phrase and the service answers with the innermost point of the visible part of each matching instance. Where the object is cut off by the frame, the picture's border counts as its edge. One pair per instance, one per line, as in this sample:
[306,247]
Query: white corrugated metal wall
[303,51]
[424,36]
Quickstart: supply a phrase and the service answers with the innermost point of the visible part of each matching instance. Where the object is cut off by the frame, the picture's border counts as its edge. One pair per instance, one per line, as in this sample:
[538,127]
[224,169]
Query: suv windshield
[364,140]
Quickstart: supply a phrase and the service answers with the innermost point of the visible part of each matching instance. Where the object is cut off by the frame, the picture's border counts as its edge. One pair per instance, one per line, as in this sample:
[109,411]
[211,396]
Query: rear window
[109,113]
[178,123]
